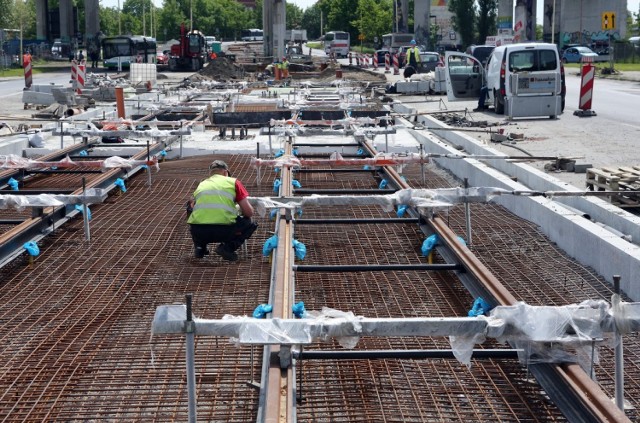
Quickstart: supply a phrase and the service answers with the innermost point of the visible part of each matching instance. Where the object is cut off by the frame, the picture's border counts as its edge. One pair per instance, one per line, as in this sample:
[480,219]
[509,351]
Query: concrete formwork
[580,238]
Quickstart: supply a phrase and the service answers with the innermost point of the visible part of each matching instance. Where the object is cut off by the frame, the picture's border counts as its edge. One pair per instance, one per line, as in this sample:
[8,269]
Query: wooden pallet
[622,179]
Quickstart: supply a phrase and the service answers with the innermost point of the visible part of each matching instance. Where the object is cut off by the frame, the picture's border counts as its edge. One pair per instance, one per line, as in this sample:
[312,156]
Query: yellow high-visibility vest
[215,202]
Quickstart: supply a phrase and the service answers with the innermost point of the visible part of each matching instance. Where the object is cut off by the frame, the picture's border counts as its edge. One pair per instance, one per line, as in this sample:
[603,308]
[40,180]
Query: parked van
[522,79]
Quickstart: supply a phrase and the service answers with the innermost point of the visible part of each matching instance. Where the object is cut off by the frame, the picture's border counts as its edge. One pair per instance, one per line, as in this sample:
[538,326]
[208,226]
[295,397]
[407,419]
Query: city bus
[393,42]
[127,49]
[337,43]
[251,35]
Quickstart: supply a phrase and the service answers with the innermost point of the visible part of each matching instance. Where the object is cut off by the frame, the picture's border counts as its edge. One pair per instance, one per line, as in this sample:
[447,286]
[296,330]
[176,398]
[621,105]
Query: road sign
[608,20]
[361,37]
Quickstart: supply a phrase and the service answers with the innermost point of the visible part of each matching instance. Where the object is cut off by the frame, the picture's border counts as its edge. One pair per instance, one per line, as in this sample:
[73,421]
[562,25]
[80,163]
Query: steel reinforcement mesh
[75,325]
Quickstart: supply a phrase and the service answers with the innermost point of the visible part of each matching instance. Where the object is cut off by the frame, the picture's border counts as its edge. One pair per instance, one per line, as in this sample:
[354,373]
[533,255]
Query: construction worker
[284,66]
[413,55]
[213,213]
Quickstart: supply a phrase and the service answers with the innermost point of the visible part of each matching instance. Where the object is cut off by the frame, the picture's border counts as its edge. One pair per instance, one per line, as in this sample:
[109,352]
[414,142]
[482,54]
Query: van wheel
[552,117]
[499,103]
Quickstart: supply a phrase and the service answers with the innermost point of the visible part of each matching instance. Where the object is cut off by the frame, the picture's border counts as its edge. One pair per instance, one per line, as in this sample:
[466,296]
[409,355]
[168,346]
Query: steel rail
[567,385]
[277,392]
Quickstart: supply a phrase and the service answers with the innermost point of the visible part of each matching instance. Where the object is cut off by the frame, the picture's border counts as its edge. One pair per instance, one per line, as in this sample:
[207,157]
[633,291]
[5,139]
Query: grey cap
[218,164]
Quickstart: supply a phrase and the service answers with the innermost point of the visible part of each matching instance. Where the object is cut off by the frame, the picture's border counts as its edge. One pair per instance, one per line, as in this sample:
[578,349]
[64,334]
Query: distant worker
[285,68]
[413,55]
[94,55]
[484,93]
[213,215]
[213,55]
[80,56]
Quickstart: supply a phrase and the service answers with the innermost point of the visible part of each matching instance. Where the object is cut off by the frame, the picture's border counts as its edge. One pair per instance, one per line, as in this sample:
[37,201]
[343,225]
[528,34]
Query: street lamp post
[553,23]
[119,20]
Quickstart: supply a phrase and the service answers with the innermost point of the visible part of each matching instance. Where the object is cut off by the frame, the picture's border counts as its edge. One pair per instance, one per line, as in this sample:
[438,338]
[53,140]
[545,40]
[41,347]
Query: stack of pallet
[625,180]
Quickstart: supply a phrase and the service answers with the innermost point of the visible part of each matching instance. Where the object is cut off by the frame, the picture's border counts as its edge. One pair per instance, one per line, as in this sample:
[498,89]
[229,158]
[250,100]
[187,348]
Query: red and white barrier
[350,58]
[375,61]
[387,63]
[396,65]
[28,73]
[74,73]
[586,88]
[82,73]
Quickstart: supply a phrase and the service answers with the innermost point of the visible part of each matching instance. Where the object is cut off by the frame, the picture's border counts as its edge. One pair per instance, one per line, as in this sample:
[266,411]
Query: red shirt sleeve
[241,191]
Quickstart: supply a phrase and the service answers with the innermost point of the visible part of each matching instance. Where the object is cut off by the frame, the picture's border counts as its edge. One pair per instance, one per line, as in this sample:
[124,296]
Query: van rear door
[465,76]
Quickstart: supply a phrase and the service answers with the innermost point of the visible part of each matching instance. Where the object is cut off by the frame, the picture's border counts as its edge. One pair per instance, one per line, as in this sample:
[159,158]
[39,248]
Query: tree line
[225,19]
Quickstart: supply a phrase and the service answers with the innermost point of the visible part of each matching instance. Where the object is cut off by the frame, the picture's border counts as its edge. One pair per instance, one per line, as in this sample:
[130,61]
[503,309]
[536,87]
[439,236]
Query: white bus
[393,42]
[252,34]
[337,43]
[127,49]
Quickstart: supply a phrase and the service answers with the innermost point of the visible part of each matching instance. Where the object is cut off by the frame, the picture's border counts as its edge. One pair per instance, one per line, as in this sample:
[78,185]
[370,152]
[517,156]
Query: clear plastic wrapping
[93,195]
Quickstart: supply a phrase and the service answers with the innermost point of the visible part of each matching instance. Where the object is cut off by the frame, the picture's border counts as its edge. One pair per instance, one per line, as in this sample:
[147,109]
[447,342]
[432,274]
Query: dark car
[381,57]
[481,53]
[429,61]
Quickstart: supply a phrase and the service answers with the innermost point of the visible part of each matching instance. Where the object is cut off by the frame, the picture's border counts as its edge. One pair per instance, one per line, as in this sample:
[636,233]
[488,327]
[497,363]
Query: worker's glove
[189,208]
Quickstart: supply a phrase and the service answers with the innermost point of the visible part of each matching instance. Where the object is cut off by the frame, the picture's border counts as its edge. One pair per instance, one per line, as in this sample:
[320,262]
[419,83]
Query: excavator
[191,53]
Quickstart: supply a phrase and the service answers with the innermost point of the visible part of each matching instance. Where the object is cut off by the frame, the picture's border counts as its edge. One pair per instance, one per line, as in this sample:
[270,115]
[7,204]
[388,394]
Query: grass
[628,67]
[39,66]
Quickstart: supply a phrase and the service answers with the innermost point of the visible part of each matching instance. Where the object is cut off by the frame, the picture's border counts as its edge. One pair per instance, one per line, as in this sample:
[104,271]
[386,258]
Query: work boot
[200,252]
[226,253]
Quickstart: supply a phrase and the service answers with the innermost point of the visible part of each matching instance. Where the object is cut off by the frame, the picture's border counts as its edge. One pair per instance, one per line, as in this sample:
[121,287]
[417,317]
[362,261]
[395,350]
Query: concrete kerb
[581,239]
[599,209]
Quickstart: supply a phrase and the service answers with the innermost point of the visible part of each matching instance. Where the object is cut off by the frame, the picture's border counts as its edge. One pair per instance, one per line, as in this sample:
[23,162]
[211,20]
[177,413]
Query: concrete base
[584,113]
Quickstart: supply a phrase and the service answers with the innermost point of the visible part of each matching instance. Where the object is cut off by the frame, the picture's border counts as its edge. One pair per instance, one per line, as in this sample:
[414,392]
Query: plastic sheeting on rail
[346,122]
[16,162]
[92,195]
[541,333]
[419,198]
[336,159]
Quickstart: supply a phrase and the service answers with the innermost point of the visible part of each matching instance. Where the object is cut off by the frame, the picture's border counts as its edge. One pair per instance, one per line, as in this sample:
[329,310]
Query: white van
[522,79]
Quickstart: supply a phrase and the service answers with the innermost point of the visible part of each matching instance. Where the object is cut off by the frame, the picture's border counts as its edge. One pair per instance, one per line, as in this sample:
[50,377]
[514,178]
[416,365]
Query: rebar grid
[76,343]
[75,339]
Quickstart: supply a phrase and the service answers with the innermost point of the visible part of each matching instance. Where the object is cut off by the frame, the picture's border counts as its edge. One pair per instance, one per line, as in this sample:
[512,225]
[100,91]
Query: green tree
[23,17]
[5,17]
[374,19]
[170,18]
[311,19]
[294,17]
[463,20]
[487,19]
[109,20]
[339,15]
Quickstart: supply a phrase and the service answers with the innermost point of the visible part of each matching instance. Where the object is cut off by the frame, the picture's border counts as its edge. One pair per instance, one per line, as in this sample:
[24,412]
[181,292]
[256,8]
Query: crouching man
[214,216]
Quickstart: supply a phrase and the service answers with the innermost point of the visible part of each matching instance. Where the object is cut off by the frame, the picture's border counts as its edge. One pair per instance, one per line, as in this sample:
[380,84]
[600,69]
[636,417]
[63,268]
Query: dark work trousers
[232,236]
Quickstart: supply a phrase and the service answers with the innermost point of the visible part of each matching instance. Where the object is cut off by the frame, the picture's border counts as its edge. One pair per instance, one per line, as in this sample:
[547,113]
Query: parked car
[481,53]
[429,61]
[162,58]
[381,57]
[575,54]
